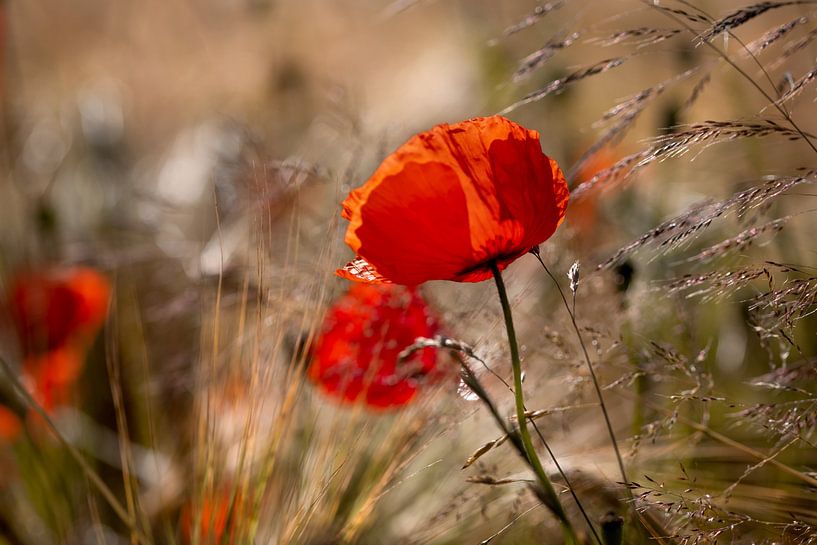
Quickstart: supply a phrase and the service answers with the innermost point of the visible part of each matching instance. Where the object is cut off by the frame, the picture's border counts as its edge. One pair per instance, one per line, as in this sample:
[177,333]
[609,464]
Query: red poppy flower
[356,356]
[453,200]
[53,307]
[52,374]
[56,312]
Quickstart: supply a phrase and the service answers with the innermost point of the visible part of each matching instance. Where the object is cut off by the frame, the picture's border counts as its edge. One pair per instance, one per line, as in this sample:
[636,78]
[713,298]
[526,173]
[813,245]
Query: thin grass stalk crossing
[625,481]
[92,476]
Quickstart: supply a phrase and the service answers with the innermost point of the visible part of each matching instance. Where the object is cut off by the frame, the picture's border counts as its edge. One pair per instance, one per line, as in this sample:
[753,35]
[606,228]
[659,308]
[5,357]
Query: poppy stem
[548,493]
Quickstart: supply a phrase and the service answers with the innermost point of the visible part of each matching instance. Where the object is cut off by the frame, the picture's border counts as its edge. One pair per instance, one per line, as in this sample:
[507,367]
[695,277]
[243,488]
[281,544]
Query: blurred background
[184,161]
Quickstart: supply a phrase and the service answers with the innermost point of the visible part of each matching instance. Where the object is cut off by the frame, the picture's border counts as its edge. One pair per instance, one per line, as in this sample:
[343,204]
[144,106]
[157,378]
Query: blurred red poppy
[56,312]
[10,425]
[583,214]
[216,517]
[51,375]
[356,356]
[55,306]
[453,200]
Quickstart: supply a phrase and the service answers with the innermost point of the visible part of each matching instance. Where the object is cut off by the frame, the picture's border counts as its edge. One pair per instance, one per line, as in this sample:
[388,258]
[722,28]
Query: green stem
[548,493]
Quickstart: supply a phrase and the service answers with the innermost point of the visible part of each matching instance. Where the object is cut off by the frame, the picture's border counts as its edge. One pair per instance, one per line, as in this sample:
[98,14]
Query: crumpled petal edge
[360,270]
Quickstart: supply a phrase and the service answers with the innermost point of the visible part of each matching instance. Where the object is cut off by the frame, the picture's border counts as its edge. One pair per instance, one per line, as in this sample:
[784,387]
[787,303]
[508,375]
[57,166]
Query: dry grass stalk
[741,241]
[534,17]
[770,37]
[646,36]
[559,84]
[538,58]
[743,15]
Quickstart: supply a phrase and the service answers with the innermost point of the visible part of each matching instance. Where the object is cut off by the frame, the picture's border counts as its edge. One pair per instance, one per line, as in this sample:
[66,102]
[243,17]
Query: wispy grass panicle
[781,308]
[639,37]
[772,36]
[741,241]
[622,170]
[621,118]
[798,86]
[538,58]
[538,13]
[710,132]
[794,47]
[696,92]
[743,15]
[672,232]
[689,16]
[559,84]
[716,283]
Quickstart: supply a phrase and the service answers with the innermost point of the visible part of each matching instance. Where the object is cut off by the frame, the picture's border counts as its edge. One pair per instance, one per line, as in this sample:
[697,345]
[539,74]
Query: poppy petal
[10,425]
[454,200]
[361,270]
[53,374]
[413,203]
[54,306]
[357,356]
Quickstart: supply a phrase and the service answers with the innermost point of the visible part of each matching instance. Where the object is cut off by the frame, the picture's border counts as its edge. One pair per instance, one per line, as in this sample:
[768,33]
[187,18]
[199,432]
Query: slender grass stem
[593,377]
[470,380]
[548,495]
[567,483]
[805,477]
[644,521]
[92,476]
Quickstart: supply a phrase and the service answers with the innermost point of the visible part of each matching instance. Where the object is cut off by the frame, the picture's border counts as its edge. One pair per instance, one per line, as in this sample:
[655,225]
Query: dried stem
[90,474]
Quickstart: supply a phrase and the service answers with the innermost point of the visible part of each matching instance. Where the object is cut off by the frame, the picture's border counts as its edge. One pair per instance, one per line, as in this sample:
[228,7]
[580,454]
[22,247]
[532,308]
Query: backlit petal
[361,270]
[453,200]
